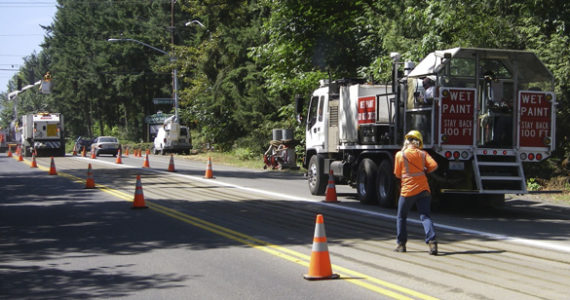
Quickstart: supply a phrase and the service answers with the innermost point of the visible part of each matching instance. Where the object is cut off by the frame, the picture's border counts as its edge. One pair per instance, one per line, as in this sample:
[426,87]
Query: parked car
[81,142]
[105,145]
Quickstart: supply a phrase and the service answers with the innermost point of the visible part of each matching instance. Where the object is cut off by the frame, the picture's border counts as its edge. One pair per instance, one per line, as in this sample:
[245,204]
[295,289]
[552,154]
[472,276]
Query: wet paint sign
[367,110]
[535,118]
[457,108]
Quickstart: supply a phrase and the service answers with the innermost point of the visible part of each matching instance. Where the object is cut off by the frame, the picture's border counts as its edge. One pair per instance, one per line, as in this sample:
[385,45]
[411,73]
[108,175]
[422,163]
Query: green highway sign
[163,100]
[156,118]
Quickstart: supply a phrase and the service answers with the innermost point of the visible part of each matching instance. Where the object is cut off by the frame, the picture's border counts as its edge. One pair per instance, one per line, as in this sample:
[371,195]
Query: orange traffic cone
[83,152]
[52,170]
[89,183]
[93,155]
[34,163]
[320,265]
[139,197]
[127,152]
[20,157]
[74,151]
[146,163]
[171,164]
[331,189]
[9,150]
[147,151]
[119,160]
[209,173]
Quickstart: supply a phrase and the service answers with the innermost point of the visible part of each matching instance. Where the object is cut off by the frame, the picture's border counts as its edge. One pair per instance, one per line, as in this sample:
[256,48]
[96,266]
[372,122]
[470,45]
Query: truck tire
[366,181]
[315,176]
[386,185]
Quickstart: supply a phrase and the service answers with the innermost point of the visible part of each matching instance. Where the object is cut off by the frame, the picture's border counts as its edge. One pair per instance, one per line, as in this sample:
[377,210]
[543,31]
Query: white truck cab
[172,137]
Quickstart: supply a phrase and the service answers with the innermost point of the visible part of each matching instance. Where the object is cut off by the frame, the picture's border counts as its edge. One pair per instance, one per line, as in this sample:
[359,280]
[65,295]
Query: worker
[411,166]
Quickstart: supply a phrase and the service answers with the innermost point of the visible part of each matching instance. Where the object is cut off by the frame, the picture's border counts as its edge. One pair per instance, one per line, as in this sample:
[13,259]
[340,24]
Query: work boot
[432,247]
[400,248]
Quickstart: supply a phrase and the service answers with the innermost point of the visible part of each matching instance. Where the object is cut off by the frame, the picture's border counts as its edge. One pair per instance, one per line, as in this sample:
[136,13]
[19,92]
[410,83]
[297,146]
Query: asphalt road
[248,235]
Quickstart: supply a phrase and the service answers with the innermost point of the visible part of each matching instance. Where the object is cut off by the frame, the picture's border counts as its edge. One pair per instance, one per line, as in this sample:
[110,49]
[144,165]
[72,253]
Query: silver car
[105,145]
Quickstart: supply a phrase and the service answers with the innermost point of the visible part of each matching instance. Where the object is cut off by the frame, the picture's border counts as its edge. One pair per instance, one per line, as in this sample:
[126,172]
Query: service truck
[172,137]
[489,111]
[43,133]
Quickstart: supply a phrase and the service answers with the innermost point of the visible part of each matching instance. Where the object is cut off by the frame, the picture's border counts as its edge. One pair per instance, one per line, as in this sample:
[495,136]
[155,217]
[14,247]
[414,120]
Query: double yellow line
[373,284]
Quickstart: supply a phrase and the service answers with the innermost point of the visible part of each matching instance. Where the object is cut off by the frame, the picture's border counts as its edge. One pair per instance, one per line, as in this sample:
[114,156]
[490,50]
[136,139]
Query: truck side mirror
[299,103]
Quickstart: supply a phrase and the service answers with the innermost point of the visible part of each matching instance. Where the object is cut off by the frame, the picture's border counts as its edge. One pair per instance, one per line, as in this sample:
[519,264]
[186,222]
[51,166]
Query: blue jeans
[422,200]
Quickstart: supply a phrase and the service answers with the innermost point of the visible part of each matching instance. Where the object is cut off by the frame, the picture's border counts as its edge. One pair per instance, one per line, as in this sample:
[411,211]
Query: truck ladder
[499,174]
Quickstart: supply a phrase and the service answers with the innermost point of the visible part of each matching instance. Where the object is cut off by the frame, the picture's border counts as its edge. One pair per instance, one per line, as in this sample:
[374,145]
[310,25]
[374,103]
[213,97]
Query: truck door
[316,132]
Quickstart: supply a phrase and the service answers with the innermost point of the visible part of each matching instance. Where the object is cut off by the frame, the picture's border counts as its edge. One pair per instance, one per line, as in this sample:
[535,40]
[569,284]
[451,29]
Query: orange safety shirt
[411,167]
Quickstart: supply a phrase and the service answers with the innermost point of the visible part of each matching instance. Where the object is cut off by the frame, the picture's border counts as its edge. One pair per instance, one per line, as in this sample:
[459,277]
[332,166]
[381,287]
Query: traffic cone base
[320,265]
[52,170]
[89,183]
[138,202]
[171,164]
[330,196]
[209,173]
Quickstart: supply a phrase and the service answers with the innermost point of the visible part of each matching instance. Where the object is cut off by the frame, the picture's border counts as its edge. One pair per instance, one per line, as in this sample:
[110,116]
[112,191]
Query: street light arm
[195,22]
[139,42]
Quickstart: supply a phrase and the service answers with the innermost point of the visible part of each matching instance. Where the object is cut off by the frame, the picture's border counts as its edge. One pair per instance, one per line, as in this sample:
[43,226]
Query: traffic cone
[34,163]
[320,265]
[146,163]
[147,151]
[139,197]
[119,160]
[83,152]
[9,150]
[127,152]
[52,170]
[209,173]
[171,164]
[89,183]
[331,189]
[93,155]
[74,151]
[20,157]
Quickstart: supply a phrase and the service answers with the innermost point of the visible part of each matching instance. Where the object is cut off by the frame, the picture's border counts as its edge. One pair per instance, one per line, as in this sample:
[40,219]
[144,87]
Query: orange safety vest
[416,163]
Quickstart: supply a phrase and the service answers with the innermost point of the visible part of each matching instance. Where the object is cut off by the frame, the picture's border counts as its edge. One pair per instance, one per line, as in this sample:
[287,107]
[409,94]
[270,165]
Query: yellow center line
[374,284]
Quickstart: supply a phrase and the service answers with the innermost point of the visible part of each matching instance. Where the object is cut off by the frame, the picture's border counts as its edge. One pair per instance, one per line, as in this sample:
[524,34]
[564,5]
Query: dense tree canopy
[240,63]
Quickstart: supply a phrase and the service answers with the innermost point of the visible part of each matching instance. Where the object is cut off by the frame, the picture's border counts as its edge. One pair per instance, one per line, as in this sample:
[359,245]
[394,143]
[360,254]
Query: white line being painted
[528,242]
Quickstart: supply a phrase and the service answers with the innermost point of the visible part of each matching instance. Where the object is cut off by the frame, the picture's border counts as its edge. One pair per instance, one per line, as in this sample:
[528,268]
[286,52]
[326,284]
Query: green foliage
[240,71]
[533,185]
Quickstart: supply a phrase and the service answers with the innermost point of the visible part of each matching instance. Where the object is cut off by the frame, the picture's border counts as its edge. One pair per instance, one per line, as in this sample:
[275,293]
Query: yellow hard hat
[416,135]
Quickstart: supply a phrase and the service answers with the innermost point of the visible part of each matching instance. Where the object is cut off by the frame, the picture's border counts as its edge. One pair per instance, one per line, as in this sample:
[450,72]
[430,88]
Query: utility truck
[172,137]
[43,132]
[482,114]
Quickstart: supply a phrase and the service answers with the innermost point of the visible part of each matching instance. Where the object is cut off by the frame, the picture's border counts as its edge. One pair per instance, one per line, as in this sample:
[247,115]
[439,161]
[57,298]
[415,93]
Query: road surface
[248,234]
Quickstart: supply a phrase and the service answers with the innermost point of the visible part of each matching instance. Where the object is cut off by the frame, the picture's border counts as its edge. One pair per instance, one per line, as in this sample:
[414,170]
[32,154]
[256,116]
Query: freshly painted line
[501,237]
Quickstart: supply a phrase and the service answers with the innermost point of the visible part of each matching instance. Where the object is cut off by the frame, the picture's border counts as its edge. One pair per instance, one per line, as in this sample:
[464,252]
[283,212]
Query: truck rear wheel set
[375,183]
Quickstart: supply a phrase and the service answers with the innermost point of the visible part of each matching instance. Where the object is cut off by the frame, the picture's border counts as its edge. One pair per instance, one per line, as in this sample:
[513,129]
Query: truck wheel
[386,185]
[366,182]
[315,176]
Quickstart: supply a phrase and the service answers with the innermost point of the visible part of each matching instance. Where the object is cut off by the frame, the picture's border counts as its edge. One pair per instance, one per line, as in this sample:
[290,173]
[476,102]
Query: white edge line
[522,241]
